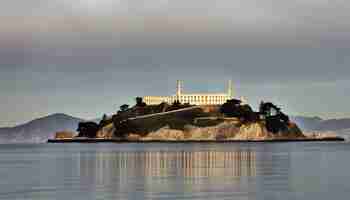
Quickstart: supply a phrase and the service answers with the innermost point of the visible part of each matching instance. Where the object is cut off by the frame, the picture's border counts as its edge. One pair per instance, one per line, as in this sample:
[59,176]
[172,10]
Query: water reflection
[211,174]
[266,171]
[164,164]
[163,172]
[242,171]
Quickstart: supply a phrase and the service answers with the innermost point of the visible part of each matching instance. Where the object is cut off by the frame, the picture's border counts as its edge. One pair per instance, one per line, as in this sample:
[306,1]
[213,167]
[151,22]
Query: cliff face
[199,123]
[106,132]
[224,131]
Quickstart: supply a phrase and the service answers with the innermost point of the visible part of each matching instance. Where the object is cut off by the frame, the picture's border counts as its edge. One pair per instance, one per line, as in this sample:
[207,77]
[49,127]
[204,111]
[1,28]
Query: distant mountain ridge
[39,130]
[317,124]
[307,123]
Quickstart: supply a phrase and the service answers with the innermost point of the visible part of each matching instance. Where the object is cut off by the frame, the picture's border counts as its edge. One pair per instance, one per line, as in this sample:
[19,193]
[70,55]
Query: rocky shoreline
[226,132]
[102,140]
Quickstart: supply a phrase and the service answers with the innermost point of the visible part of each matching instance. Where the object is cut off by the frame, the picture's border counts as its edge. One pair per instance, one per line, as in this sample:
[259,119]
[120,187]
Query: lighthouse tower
[178,88]
[229,89]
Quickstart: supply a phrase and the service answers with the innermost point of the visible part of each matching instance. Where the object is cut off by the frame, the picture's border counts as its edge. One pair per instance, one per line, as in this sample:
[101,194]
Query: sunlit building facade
[193,99]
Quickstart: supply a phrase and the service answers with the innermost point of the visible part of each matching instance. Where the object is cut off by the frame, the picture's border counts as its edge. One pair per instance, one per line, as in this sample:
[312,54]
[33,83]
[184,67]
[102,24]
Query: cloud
[164,22]
[49,46]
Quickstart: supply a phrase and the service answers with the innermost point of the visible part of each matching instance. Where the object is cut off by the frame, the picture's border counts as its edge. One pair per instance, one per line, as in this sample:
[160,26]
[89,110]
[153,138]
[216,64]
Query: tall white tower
[178,88]
[229,88]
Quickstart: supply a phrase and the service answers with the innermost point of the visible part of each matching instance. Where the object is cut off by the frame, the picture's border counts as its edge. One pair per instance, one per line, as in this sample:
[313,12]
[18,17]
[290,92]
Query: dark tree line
[233,108]
[275,119]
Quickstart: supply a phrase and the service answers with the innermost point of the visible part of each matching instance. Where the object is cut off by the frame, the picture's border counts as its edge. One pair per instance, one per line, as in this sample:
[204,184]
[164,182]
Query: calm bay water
[175,171]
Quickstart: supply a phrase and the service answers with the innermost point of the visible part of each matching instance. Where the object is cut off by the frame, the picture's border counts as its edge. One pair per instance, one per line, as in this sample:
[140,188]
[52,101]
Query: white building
[193,99]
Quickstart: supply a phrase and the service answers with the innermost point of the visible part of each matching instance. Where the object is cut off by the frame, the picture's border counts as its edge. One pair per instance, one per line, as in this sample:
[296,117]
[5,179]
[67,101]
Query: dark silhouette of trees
[177,105]
[248,114]
[87,129]
[105,121]
[124,107]
[276,120]
[233,108]
[269,109]
[104,117]
[139,102]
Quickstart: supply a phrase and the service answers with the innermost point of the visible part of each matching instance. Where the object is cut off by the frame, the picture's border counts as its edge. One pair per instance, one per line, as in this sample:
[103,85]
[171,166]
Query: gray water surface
[175,171]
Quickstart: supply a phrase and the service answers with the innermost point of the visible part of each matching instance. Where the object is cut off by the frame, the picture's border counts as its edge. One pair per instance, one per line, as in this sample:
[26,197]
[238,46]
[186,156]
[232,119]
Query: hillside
[307,123]
[319,124]
[338,126]
[39,130]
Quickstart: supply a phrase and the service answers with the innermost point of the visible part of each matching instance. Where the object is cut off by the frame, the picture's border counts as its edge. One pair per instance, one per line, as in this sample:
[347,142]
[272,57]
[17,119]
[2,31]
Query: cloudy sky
[87,57]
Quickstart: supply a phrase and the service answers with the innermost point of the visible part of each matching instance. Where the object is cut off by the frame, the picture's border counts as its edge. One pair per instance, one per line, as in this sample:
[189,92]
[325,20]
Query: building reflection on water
[164,164]
[193,174]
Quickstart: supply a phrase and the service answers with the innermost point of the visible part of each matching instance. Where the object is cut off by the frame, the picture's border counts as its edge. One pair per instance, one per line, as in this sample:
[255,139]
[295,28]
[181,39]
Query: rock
[253,131]
[321,135]
[198,133]
[106,132]
[64,135]
[133,137]
[225,130]
[165,133]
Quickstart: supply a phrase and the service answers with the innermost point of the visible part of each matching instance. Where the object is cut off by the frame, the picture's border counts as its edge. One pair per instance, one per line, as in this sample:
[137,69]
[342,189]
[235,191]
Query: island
[232,121]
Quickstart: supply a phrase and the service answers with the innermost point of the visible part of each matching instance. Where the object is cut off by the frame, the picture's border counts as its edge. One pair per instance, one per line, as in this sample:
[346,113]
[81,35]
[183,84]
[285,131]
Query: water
[175,171]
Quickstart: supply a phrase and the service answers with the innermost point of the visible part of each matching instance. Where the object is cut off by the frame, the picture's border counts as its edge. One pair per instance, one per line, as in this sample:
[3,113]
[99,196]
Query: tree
[139,102]
[124,107]
[276,120]
[104,121]
[231,108]
[87,129]
[104,117]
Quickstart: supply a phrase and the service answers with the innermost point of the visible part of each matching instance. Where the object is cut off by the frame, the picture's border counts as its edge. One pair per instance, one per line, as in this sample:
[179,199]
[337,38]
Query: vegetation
[124,107]
[177,105]
[276,120]
[88,129]
[139,102]
[104,117]
[233,108]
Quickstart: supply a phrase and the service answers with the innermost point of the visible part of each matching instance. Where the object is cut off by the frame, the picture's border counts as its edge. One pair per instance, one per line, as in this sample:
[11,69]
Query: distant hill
[339,126]
[334,124]
[307,123]
[39,130]
[317,123]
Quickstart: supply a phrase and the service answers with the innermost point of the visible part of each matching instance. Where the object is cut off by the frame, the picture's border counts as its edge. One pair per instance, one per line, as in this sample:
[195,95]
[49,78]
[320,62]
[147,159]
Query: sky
[87,57]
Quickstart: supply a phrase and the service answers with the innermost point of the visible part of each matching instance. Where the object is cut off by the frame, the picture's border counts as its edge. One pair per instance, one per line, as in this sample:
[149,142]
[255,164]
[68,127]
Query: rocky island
[233,121]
